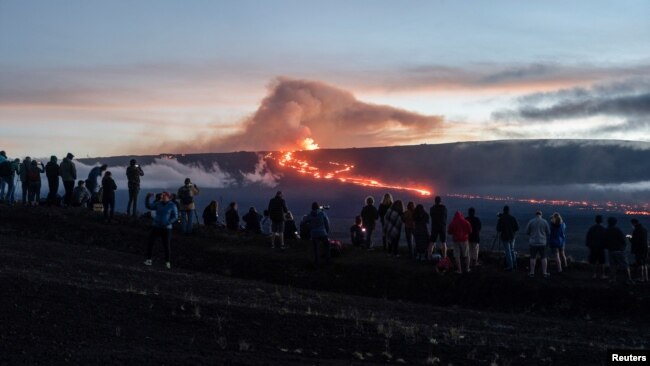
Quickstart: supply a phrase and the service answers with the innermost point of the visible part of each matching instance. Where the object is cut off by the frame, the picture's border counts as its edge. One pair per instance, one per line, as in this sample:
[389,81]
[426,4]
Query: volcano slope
[74,291]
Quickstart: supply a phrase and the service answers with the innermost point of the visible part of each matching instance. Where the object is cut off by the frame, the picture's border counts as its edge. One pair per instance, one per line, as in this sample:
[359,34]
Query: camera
[325,207]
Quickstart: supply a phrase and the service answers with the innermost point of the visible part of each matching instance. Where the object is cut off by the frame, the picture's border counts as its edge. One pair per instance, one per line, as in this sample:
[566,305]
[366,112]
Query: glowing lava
[339,171]
[309,144]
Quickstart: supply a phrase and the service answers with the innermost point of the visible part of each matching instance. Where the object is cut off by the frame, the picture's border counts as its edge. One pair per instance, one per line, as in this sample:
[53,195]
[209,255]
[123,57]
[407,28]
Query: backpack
[185,196]
[5,169]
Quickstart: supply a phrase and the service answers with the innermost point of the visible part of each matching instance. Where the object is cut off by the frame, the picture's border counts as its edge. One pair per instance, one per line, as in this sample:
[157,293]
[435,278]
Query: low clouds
[295,110]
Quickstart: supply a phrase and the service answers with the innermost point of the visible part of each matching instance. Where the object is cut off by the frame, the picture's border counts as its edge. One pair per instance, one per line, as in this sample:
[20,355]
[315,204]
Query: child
[357,233]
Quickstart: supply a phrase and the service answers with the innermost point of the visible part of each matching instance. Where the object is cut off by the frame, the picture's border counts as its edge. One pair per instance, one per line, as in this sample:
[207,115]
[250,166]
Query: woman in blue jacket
[166,215]
[557,241]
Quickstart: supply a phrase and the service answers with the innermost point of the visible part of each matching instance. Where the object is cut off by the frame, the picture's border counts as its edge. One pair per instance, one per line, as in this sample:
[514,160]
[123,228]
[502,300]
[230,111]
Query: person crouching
[166,214]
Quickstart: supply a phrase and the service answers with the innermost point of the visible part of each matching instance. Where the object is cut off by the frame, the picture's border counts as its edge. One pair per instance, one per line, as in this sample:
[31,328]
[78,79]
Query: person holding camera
[133,174]
[187,206]
[166,214]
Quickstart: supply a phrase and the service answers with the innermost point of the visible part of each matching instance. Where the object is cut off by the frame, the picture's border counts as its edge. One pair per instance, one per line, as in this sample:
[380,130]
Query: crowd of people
[425,232]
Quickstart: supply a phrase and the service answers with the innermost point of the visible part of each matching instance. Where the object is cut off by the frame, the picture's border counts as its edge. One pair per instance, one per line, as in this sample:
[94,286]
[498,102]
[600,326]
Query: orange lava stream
[340,172]
[628,209]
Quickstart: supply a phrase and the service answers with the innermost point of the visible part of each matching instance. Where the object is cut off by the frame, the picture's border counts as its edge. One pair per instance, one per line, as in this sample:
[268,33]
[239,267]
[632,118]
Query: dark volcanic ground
[74,291]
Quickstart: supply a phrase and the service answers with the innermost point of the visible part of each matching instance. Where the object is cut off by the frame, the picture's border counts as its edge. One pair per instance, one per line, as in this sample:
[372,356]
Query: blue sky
[148,75]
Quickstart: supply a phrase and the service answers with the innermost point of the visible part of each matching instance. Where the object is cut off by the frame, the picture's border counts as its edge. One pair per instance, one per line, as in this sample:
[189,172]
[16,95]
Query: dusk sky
[128,77]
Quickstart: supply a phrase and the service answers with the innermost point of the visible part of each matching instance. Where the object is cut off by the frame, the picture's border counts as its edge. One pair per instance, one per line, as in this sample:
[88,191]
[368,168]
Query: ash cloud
[298,109]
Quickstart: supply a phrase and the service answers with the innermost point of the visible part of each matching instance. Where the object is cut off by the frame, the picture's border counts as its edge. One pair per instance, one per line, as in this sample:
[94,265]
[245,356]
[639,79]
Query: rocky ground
[74,291]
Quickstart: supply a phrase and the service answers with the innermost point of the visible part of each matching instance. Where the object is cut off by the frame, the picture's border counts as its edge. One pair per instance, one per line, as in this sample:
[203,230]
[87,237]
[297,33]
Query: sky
[100,78]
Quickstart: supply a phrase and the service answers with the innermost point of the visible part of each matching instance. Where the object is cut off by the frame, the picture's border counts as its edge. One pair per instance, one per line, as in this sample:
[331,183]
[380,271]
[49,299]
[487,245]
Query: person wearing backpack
[133,174]
[69,176]
[187,206]
[34,182]
[108,196]
[52,172]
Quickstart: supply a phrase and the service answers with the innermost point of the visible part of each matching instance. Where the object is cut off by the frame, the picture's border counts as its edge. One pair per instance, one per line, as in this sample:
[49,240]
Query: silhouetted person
[187,206]
[385,204]
[409,225]
[52,172]
[252,219]
[369,216]
[474,237]
[438,214]
[421,232]
[108,196]
[68,176]
[319,230]
[34,182]
[277,209]
[460,229]
[393,226]
[232,217]
[538,232]
[5,168]
[557,241]
[80,195]
[210,214]
[166,214]
[9,170]
[595,242]
[133,174]
[357,237]
[24,179]
[615,245]
[507,228]
[91,182]
[639,247]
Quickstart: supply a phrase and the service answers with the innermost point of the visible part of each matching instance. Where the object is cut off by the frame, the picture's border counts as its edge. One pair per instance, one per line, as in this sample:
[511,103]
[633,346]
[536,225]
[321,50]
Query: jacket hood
[53,159]
[458,216]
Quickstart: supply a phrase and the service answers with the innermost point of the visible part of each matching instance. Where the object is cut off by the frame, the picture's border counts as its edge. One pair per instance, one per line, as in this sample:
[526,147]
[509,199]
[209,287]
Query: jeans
[321,243]
[34,190]
[509,248]
[165,235]
[186,221]
[69,187]
[53,184]
[132,206]
[109,207]
[25,189]
[10,191]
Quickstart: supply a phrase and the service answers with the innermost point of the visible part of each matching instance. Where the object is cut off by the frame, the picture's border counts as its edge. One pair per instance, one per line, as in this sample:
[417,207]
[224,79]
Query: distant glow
[309,144]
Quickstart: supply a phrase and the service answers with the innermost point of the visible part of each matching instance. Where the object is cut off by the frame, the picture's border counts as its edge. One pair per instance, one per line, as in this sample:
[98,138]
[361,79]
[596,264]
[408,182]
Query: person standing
[11,183]
[133,174]
[34,182]
[595,242]
[232,217]
[52,172]
[639,241]
[5,166]
[474,237]
[614,240]
[538,232]
[460,229]
[319,230]
[385,204]
[24,180]
[187,205]
[393,226]
[409,225]
[438,214]
[421,232]
[369,216]
[277,209]
[68,172]
[557,241]
[507,228]
[166,214]
[108,196]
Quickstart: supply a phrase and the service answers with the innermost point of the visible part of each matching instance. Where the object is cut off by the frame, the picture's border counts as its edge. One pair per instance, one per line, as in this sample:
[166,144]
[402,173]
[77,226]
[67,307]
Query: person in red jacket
[459,229]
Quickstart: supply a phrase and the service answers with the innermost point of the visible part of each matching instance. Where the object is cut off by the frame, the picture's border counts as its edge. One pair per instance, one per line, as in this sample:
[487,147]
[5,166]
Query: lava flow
[339,171]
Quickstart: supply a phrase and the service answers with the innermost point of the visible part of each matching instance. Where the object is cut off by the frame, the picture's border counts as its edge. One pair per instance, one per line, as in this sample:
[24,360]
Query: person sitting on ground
[133,174]
[393,226]
[290,228]
[369,217]
[507,227]
[187,206]
[319,230]
[252,219]
[52,172]
[557,241]
[421,232]
[265,224]
[409,226]
[166,215]
[34,182]
[594,241]
[460,229]
[210,214]
[438,215]
[385,204]
[538,232]
[639,247]
[614,241]
[80,195]
[232,217]
[108,196]
[474,237]
[277,209]
[357,232]
[91,182]
[68,176]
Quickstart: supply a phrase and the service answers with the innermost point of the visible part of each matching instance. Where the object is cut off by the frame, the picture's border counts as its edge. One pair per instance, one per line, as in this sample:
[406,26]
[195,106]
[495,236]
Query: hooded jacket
[459,228]
[52,169]
[318,222]
[166,212]
[68,170]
